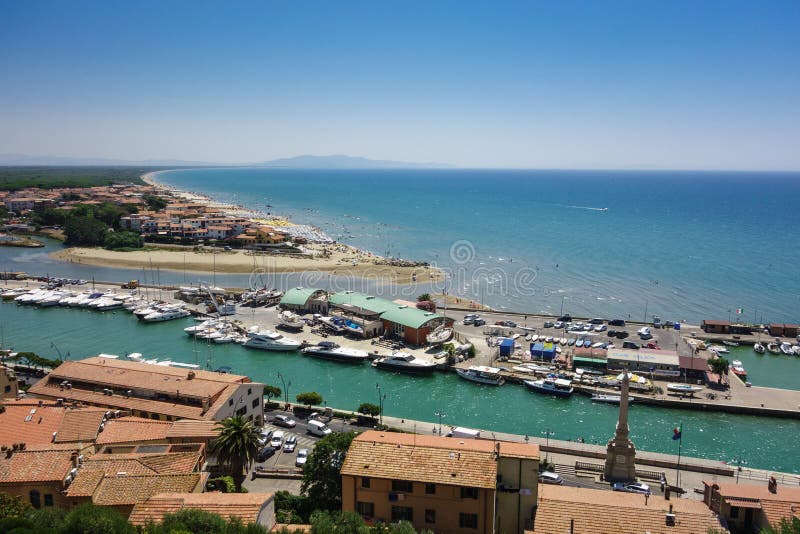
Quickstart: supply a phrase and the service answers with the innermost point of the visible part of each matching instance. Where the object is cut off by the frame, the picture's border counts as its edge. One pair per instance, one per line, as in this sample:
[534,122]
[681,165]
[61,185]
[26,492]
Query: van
[460,432]
[318,428]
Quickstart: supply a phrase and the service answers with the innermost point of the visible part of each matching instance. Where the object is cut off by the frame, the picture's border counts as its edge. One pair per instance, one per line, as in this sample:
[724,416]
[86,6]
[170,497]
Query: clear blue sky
[595,84]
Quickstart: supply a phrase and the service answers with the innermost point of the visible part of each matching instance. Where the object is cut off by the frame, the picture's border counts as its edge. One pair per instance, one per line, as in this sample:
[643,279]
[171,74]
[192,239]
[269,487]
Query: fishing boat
[403,362]
[759,348]
[773,348]
[686,389]
[482,375]
[738,369]
[786,348]
[559,387]
[730,343]
[291,320]
[269,340]
[440,335]
[610,399]
[328,350]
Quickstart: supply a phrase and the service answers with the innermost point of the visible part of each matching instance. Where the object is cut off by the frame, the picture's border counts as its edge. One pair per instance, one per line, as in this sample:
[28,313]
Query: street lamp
[381,398]
[285,387]
[739,461]
[441,415]
[547,433]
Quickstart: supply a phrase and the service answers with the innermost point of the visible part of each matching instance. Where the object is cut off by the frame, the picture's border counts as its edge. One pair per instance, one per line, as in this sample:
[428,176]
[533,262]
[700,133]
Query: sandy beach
[341,261]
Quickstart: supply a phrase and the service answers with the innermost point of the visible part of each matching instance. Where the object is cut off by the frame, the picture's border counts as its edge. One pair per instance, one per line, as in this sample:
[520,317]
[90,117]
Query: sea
[680,245]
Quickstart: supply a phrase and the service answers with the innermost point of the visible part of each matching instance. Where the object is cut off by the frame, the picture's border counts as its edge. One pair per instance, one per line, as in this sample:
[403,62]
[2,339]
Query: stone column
[621,453]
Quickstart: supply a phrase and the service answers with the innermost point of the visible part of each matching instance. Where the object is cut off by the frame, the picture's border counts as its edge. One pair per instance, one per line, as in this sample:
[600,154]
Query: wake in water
[582,207]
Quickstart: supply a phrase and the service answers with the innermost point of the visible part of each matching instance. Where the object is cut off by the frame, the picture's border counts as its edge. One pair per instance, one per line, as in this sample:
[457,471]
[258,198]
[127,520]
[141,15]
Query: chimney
[666,494]
[772,485]
[190,376]
[74,459]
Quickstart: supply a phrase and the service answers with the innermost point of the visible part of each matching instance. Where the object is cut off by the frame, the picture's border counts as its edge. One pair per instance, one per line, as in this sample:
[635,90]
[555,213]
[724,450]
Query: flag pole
[680,446]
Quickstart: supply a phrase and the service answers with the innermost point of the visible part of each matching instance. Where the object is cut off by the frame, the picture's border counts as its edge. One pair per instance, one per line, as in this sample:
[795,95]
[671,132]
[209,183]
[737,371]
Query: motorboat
[335,324]
[579,343]
[269,340]
[329,350]
[198,328]
[534,338]
[738,369]
[53,299]
[796,350]
[106,304]
[759,348]
[730,343]
[773,348]
[548,339]
[571,341]
[353,327]
[440,335]
[11,294]
[404,362]
[482,374]
[166,314]
[291,320]
[686,389]
[559,387]
[719,349]
[786,348]
[610,398]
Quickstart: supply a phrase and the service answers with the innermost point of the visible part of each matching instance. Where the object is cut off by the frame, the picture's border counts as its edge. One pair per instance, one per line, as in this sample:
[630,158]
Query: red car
[653,346]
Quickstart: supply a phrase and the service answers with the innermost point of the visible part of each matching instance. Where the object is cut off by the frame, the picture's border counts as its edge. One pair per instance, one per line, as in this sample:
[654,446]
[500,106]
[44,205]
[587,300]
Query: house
[9,385]
[258,508]
[752,507]
[34,422]
[597,511]
[37,476]
[447,485]
[154,392]
[715,327]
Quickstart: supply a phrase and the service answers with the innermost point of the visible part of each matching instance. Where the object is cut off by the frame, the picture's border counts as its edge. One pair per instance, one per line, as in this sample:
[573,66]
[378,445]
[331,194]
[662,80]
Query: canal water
[764,442]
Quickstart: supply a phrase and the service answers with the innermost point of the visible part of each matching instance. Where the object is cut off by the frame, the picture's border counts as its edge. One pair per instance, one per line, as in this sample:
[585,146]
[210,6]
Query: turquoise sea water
[510,408]
[681,245]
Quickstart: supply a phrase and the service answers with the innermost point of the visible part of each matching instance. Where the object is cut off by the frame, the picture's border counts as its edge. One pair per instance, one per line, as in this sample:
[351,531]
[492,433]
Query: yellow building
[448,485]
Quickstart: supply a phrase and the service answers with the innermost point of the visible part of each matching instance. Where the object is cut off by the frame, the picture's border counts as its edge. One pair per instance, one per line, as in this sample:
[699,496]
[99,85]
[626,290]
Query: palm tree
[236,446]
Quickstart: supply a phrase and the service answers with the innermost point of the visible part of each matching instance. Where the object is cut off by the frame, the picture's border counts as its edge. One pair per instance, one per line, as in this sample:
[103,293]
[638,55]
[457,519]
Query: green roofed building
[305,299]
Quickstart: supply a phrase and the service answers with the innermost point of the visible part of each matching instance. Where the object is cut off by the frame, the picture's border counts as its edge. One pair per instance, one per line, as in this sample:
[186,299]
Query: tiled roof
[130,489]
[133,429]
[85,482]
[80,425]
[594,511]
[44,420]
[458,462]
[35,466]
[138,463]
[187,428]
[784,503]
[245,506]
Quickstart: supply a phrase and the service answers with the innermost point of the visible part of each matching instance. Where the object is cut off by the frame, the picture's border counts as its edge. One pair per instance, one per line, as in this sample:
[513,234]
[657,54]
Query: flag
[739,311]
[676,433]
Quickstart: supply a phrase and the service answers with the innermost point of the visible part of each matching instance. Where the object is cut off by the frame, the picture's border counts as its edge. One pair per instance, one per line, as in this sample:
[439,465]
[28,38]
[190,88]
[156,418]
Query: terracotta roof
[143,463]
[245,506]
[133,429]
[39,429]
[35,466]
[187,428]
[594,511]
[458,462]
[80,425]
[85,482]
[130,489]
[784,503]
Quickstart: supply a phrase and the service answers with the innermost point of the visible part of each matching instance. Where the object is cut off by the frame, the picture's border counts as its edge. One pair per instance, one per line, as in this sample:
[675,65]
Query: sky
[635,84]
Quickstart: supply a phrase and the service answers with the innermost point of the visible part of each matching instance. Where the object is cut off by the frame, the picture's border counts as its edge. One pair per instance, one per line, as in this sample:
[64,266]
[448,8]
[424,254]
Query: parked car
[510,324]
[622,334]
[617,322]
[283,420]
[290,444]
[302,456]
[265,437]
[600,328]
[632,487]
[645,333]
[549,324]
[265,454]
[630,345]
[478,322]
[277,439]
[597,320]
[548,477]
[470,318]
[611,333]
[565,318]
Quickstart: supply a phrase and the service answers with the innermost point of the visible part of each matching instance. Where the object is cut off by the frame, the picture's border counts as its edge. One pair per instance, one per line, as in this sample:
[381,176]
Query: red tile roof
[244,506]
[133,430]
[35,466]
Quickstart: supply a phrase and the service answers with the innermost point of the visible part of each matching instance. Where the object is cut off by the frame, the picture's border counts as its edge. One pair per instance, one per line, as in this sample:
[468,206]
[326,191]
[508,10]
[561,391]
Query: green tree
[322,481]
[12,506]
[718,365]
[49,518]
[309,398]
[786,526]
[85,231]
[90,519]
[369,409]
[236,446]
[119,240]
[424,297]
[291,508]
[154,203]
[272,391]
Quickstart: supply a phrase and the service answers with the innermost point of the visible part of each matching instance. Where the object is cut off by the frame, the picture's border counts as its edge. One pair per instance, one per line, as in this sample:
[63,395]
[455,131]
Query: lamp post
[547,433]
[60,357]
[285,387]
[441,415]
[739,461]
[381,398]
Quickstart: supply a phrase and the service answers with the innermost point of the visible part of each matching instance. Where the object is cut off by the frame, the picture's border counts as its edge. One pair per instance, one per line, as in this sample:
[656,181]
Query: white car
[548,477]
[290,444]
[633,487]
[277,439]
[284,420]
[645,333]
[302,457]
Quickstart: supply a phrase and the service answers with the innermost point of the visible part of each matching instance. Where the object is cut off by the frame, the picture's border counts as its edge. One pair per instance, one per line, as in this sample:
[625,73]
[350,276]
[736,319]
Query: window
[402,513]
[154,416]
[734,512]
[242,410]
[255,403]
[365,509]
[48,499]
[430,489]
[365,482]
[230,402]
[8,389]
[469,493]
[403,486]
[430,516]
[468,520]
[36,499]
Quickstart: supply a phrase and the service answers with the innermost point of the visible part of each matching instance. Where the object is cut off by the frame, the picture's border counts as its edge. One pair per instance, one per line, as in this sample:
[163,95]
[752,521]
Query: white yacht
[291,320]
[331,351]
[269,340]
[53,298]
[199,328]
[482,375]
[404,362]
[166,314]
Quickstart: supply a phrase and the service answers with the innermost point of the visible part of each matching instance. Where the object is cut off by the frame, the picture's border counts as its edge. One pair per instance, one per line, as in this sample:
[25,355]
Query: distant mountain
[25,160]
[344,162]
